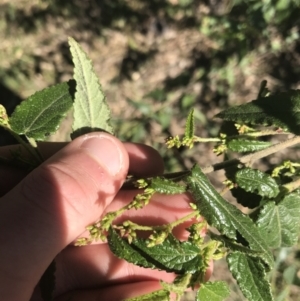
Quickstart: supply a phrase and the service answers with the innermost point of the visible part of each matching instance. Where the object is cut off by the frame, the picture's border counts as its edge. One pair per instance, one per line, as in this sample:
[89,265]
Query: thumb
[52,206]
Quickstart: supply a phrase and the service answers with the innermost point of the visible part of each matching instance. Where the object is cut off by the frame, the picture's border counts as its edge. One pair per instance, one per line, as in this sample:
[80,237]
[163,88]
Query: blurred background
[157,59]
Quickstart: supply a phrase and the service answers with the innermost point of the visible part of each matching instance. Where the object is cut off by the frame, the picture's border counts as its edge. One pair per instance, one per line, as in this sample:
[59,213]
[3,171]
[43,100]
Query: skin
[42,213]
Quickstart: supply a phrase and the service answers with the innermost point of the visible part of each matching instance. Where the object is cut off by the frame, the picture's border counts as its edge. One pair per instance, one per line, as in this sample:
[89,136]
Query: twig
[292,185]
[247,159]
[250,158]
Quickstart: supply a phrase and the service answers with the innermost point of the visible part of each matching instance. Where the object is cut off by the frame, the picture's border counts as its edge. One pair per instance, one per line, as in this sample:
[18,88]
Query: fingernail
[105,151]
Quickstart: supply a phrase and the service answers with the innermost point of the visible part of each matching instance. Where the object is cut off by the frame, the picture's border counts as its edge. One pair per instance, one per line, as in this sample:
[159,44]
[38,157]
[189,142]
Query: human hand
[42,215]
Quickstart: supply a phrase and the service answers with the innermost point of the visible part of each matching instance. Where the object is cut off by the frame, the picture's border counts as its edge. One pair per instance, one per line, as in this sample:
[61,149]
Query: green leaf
[243,197]
[40,115]
[190,126]
[253,180]
[279,223]
[122,249]
[91,111]
[281,110]
[161,295]
[166,186]
[171,256]
[213,291]
[244,145]
[224,216]
[250,275]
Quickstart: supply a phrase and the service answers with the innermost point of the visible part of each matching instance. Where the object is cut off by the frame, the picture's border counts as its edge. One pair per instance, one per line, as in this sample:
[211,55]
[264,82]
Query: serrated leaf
[281,110]
[161,295]
[91,111]
[245,145]
[40,115]
[279,223]
[171,256]
[189,126]
[224,216]
[254,180]
[166,186]
[250,275]
[243,197]
[213,291]
[122,249]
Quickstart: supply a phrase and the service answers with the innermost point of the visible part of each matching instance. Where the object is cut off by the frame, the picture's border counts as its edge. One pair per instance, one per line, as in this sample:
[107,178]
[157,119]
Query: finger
[161,210]
[144,161]
[52,205]
[96,267]
[116,292]
[11,175]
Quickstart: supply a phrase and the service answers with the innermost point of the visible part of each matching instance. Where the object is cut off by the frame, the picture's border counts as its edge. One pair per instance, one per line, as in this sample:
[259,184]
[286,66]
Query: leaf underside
[91,111]
[279,223]
[281,110]
[225,217]
[40,115]
[171,256]
[250,275]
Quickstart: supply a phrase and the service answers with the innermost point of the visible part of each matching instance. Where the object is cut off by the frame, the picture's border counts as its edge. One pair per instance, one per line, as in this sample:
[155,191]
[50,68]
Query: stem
[199,139]
[292,185]
[246,159]
[130,182]
[135,226]
[33,144]
[224,190]
[250,134]
[169,226]
[261,133]
[32,150]
[250,158]
[183,219]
